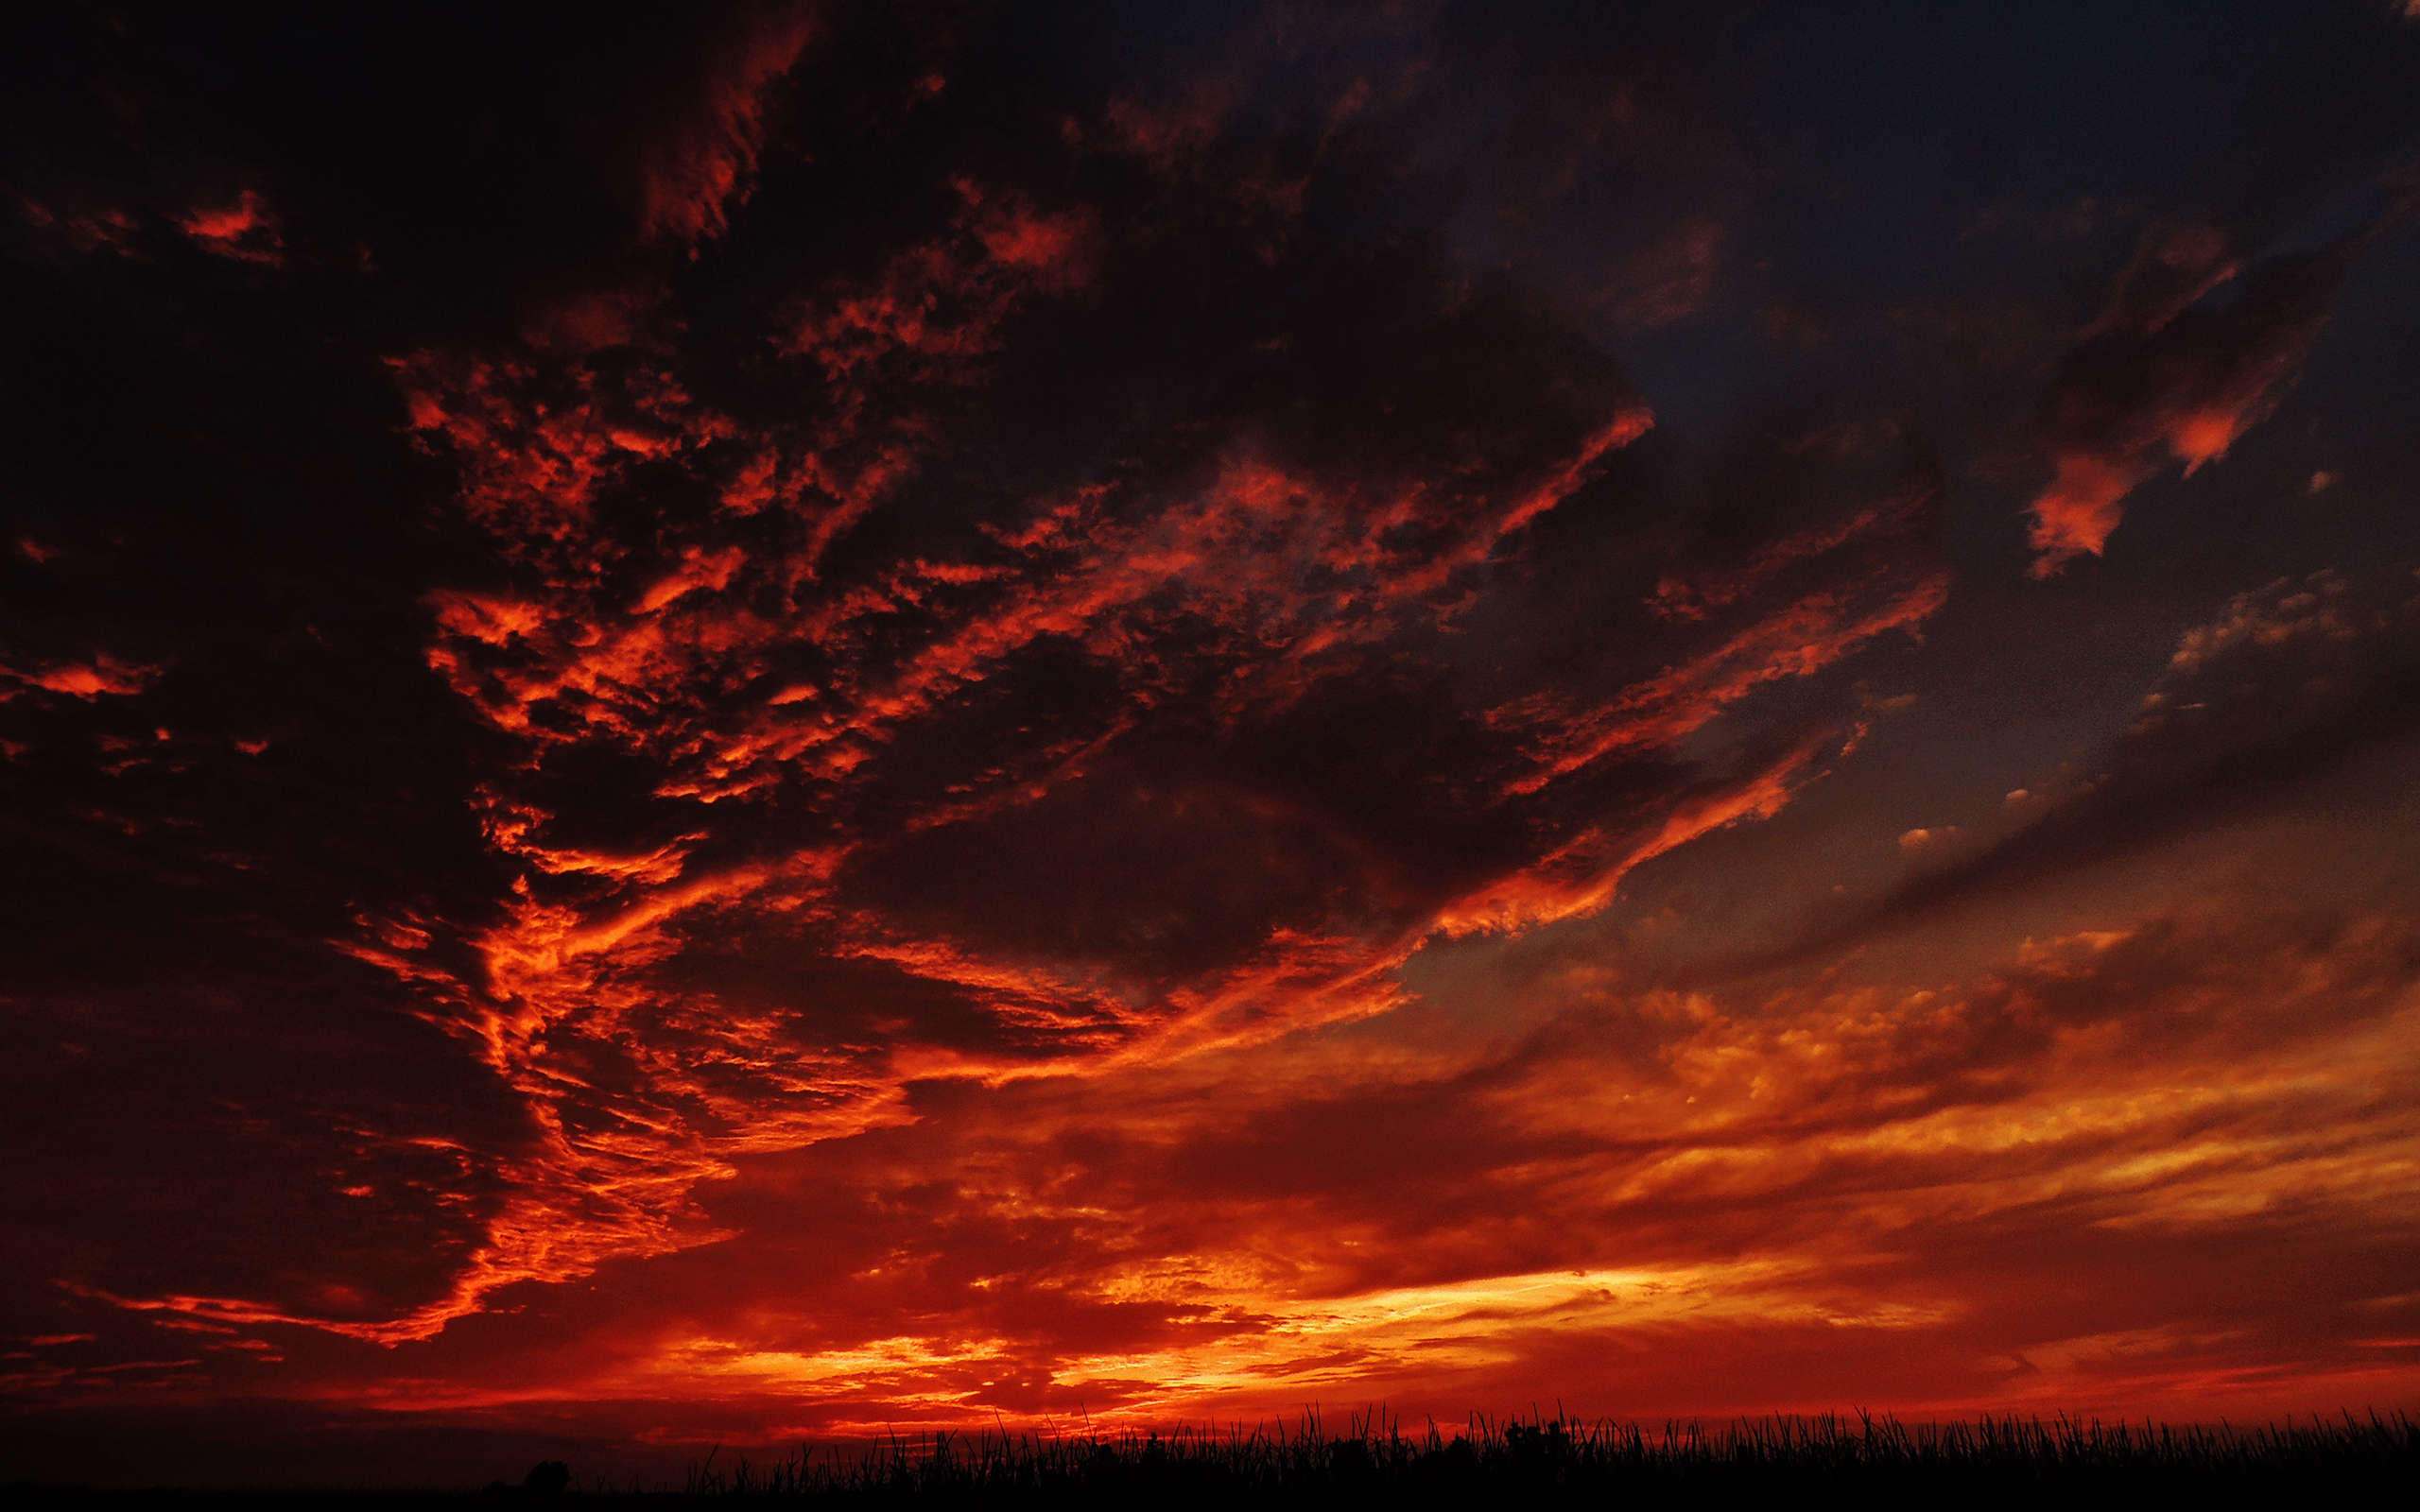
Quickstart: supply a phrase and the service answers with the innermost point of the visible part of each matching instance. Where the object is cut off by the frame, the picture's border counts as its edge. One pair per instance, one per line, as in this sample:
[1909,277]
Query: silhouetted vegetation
[548,1477]
[1560,1462]
[1541,1462]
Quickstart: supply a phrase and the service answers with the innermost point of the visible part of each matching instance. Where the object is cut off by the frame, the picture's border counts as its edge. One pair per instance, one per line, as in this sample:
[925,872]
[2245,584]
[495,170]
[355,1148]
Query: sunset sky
[757,722]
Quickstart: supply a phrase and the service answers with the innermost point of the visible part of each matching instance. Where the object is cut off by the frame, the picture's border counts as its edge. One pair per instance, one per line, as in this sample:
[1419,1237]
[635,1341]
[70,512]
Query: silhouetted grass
[1540,1462]
[1561,1462]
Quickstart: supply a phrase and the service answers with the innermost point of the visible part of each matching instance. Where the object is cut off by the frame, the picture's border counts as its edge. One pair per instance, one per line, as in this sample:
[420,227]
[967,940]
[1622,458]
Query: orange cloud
[1797,639]
[740,657]
[2160,377]
[1974,1192]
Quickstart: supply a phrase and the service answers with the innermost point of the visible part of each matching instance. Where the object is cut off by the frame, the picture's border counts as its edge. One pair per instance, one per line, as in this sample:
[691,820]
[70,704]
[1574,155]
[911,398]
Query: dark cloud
[2157,378]
[2294,682]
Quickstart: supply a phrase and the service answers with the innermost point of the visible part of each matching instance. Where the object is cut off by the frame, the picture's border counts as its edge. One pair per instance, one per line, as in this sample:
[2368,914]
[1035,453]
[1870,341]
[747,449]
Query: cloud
[696,161]
[87,679]
[1104,766]
[2163,375]
[244,230]
[1653,1172]
[88,230]
[1673,279]
[935,309]
[842,717]
[2292,683]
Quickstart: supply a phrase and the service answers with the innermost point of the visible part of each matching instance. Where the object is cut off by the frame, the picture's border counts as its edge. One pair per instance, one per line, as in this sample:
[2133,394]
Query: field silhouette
[2372,1459]
[1561,1462]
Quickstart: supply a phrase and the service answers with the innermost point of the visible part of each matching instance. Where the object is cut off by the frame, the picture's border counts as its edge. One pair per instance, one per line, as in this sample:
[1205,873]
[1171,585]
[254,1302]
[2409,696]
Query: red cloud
[737,654]
[699,161]
[244,230]
[87,679]
[936,308]
[88,230]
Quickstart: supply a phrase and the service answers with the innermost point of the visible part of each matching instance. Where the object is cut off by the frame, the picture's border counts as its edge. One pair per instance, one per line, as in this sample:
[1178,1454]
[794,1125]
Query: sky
[755,722]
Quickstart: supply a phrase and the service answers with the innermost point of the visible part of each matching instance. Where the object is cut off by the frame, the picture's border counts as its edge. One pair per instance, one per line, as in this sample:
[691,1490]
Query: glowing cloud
[2160,377]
